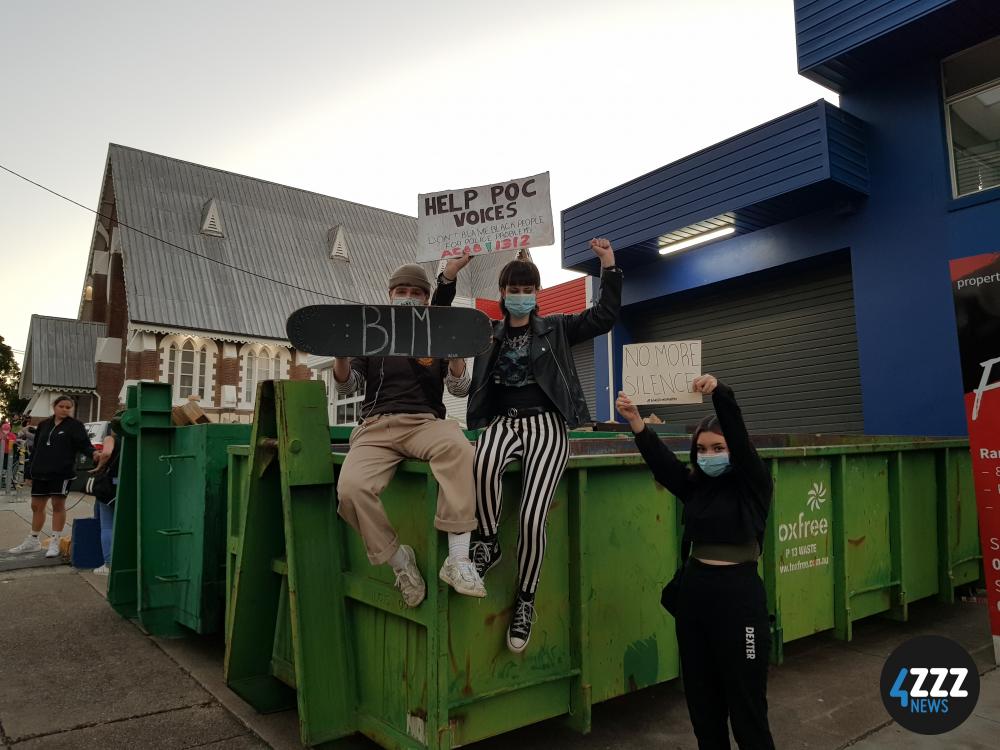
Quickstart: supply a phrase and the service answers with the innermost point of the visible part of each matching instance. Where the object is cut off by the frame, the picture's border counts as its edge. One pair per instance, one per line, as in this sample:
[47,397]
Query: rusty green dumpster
[859,527]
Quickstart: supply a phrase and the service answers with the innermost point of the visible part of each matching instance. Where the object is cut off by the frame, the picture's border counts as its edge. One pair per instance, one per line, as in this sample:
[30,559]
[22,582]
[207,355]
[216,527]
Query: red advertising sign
[975,284]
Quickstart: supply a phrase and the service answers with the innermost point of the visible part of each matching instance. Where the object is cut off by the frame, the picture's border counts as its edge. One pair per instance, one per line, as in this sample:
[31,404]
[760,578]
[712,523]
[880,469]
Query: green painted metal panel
[797,560]
[917,475]
[631,638]
[866,529]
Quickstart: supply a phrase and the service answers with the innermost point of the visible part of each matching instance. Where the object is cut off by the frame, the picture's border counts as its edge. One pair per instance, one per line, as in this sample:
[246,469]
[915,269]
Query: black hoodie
[56,447]
[729,509]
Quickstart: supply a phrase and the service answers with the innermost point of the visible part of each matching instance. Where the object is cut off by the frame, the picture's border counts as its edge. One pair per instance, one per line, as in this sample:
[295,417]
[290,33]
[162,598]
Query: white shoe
[102,571]
[408,579]
[53,550]
[31,544]
[462,576]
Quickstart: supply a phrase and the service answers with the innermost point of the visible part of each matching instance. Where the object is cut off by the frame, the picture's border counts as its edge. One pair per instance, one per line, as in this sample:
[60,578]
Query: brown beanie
[410,275]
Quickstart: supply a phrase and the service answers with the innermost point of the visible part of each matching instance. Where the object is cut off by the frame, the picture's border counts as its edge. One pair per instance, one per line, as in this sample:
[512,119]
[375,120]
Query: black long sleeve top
[729,509]
[56,448]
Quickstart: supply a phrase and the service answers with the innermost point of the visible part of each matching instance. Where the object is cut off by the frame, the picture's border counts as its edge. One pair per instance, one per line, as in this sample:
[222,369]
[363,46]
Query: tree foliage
[10,375]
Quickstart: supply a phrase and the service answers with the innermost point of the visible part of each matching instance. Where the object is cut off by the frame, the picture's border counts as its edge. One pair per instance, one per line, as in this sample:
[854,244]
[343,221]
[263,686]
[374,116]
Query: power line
[176,246]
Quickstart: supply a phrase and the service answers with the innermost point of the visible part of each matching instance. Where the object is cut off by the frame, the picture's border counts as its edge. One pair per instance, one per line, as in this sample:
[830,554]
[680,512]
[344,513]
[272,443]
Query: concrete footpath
[73,674]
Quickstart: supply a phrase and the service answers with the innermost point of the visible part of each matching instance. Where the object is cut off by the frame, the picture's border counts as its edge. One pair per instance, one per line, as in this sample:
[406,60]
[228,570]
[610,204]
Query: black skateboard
[389,331]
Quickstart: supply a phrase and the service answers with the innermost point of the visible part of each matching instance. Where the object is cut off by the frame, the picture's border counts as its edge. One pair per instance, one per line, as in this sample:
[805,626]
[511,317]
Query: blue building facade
[830,229]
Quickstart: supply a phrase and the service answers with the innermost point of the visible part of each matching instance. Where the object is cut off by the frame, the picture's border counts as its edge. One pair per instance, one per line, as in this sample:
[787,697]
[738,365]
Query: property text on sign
[661,373]
[510,215]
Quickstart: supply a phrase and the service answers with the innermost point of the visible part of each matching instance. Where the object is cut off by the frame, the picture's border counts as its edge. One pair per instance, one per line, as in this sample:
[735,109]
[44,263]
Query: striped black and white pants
[541,443]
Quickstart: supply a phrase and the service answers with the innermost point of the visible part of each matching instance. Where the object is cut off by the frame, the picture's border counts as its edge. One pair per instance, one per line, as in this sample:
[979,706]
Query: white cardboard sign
[511,215]
[661,372]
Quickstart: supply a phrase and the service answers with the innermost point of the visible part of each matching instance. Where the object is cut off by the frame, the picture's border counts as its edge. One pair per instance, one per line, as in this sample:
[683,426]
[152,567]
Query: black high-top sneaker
[485,553]
[521,621]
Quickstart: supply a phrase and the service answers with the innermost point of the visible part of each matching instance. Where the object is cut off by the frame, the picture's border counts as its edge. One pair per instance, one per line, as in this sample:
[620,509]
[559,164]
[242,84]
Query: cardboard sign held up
[661,373]
[511,215]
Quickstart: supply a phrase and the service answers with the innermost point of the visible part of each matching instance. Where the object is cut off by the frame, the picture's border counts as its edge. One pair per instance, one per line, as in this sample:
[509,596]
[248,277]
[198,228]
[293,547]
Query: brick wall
[99,304]
[118,312]
[110,379]
[299,372]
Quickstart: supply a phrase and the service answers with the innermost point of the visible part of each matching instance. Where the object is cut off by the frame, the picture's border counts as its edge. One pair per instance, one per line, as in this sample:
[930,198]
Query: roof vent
[211,219]
[337,243]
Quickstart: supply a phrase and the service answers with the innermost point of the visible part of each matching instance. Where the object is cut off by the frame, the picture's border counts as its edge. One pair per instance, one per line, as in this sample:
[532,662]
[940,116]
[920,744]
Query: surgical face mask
[715,465]
[406,301]
[519,305]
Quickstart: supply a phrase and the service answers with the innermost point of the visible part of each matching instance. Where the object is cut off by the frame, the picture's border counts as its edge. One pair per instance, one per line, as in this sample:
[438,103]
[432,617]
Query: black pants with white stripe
[541,443]
[724,639]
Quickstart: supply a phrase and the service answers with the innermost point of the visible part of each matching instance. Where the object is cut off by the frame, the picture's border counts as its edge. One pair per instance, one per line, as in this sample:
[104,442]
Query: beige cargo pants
[377,447]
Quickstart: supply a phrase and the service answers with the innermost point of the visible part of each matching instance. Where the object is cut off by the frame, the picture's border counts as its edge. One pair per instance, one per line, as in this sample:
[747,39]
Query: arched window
[189,364]
[261,362]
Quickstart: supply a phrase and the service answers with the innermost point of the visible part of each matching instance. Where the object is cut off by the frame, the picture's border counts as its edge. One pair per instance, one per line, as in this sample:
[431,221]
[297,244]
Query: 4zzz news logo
[930,685]
[918,699]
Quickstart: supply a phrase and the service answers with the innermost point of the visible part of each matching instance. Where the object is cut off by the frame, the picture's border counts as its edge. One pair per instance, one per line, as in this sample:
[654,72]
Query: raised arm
[444,292]
[600,318]
[742,455]
[667,469]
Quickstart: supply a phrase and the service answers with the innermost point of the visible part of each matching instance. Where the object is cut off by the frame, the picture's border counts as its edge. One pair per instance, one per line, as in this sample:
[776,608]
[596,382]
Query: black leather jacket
[551,358]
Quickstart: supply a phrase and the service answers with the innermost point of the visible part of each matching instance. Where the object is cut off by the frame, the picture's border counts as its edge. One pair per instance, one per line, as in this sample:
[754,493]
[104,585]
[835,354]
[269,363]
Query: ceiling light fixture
[673,247]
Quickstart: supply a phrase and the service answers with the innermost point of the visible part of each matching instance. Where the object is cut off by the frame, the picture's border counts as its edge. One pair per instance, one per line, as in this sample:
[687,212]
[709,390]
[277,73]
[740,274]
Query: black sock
[524,596]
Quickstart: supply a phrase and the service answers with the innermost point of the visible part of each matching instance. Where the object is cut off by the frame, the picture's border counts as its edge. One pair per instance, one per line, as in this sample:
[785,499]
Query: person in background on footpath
[525,392]
[403,416]
[58,440]
[25,442]
[717,599]
[7,455]
[104,487]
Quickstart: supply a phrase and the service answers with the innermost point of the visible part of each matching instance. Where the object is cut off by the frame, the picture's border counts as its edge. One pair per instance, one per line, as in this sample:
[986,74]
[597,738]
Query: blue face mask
[406,301]
[715,465]
[519,305]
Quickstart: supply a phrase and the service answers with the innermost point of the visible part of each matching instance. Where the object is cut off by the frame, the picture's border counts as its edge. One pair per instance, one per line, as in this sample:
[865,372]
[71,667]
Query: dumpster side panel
[918,489]
[631,551]
[802,525]
[867,520]
[963,538]
[236,489]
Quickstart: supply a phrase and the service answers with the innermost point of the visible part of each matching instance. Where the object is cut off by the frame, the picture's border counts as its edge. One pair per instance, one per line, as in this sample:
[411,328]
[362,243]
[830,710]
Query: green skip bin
[310,624]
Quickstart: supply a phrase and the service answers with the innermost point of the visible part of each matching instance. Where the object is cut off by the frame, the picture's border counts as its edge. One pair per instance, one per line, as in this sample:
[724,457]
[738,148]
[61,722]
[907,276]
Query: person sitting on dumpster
[403,416]
[525,393]
[717,598]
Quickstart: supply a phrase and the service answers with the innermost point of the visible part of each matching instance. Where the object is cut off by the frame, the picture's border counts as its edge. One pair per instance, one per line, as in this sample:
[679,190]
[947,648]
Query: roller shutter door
[785,340]
[583,358]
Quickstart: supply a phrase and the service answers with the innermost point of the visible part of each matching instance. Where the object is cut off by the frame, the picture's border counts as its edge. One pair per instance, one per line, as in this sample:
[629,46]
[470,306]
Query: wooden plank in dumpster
[976,289]
[510,215]
[661,372]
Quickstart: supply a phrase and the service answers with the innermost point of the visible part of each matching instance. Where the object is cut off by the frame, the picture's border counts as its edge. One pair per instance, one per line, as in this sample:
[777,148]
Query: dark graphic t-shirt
[513,376]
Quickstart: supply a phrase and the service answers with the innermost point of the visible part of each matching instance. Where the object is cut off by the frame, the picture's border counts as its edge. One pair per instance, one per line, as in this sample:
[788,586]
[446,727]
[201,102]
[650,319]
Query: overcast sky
[372,102]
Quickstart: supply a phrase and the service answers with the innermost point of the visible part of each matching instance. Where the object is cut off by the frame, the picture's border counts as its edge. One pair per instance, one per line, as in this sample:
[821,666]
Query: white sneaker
[31,544]
[462,576]
[408,579]
[102,571]
[53,550]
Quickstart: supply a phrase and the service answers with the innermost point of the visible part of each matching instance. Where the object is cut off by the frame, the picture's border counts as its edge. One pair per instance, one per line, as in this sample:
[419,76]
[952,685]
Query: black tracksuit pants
[724,639]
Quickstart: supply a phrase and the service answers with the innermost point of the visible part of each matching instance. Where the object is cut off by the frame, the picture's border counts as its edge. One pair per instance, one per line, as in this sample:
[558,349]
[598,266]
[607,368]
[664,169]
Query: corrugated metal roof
[62,352]
[273,230]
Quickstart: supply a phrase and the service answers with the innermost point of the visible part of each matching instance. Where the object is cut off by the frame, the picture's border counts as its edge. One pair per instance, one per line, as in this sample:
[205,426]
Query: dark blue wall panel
[826,29]
[792,153]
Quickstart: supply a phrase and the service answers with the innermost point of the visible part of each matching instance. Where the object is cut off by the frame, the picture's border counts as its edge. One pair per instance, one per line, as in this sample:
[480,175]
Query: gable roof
[273,231]
[60,353]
